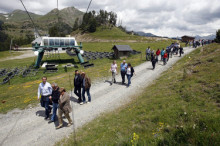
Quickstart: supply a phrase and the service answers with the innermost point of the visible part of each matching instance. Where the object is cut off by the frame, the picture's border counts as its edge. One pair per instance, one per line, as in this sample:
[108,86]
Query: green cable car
[42,44]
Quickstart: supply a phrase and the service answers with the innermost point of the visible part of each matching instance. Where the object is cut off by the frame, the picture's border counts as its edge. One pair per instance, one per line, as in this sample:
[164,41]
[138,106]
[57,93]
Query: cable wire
[30,18]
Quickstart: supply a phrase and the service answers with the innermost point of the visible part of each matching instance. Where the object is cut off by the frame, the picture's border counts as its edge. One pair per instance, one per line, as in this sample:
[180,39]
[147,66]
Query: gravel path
[26,54]
[28,127]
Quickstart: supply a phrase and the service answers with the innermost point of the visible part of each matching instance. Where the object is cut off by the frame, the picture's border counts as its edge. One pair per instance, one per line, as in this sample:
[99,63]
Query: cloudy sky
[161,17]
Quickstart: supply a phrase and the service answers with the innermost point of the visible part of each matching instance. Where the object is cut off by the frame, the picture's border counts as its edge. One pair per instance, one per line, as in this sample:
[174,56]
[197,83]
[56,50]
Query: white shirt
[44,89]
[129,71]
[114,68]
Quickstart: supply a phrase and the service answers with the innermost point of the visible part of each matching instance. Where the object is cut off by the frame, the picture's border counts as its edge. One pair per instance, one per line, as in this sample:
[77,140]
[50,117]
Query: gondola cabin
[55,42]
[42,44]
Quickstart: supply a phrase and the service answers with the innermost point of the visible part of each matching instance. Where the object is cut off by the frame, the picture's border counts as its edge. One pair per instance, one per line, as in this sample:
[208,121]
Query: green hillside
[18,23]
[105,33]
[20,16]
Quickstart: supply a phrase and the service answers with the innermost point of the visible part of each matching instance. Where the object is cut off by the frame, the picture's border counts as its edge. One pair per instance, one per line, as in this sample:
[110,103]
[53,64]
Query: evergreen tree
[76,24]
[217,39]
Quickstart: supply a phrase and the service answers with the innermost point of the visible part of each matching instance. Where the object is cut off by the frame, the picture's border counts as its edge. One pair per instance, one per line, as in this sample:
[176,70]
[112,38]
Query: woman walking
[130,72]
[64,108]
[113,69]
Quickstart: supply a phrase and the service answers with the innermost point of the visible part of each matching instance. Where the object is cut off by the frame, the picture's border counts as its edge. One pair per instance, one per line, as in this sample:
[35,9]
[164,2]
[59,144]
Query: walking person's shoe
[81,103]
[60,126]
[69,124]
[50,121]
[46,118]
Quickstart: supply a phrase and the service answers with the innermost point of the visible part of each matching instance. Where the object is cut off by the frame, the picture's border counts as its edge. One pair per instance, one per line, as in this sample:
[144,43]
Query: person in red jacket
[157,54]
[165,56]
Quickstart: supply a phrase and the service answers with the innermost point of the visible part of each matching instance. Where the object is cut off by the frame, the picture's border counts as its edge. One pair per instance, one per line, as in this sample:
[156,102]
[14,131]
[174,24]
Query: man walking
[55,98]
[148,52]
[64,108]
[78,86]
[153,60]
[157,54]
[45,90]
[86,87]
[181,51]
[165,58]
[162,53]
[123,71]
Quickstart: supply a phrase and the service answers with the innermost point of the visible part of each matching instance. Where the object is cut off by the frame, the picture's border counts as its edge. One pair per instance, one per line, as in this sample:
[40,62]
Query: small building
[121,51]
[187,38]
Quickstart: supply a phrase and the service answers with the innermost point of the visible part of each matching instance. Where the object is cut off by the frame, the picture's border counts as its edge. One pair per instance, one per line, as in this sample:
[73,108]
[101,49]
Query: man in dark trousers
[154,61]
[123,71]
[181,51]
[54,97]
[78,85]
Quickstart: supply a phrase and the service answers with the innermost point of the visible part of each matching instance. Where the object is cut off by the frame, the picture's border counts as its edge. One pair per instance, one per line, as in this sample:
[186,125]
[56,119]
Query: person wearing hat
[64,108]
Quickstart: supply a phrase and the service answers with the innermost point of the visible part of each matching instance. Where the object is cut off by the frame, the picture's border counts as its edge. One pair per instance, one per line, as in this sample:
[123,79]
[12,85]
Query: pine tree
[217,39]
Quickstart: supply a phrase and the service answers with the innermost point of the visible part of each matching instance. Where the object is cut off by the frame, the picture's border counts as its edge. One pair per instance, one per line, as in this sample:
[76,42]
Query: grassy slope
[5,54]
[114,34]
[23,91]
[179,108]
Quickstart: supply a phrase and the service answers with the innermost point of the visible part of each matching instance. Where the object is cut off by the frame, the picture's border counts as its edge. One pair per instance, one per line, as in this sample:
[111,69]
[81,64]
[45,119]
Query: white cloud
[165,18]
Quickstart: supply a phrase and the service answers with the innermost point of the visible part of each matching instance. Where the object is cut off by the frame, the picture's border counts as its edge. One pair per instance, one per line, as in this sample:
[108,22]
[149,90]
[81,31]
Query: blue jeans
[55,106]
[45,102]
[88,94]
[129,79]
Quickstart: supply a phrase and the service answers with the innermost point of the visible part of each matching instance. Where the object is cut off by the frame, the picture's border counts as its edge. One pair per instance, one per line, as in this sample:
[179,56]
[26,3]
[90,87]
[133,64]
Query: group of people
[125,69]
[51,94]
[174,48]
[60,99]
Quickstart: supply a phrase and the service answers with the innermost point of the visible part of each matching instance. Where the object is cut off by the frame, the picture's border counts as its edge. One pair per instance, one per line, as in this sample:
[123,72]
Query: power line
[88,6]
[30,18]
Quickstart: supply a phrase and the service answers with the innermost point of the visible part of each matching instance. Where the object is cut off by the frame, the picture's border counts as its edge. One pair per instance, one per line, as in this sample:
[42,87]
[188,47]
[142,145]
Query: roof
[188,37]
[37,40]
[122,48]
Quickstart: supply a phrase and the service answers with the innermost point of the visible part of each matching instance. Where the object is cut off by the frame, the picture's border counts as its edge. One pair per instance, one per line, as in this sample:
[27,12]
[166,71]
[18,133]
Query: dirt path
[28,127]
[26,54]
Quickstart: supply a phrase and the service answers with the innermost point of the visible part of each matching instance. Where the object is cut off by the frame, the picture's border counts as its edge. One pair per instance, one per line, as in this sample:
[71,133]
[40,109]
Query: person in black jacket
[78,85]
[54,98]
[154,61]
[181,51]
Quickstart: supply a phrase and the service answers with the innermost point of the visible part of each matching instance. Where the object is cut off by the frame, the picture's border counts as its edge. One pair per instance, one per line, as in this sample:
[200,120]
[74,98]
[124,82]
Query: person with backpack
[168,50]
[130,73]
[165,58]
[162,53]
[157,54]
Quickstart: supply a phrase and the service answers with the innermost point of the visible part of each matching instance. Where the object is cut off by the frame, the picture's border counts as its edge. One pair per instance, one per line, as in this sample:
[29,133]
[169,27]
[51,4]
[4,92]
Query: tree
[76,24]
[4,38]
[53,31]
[92,25]
[217,39]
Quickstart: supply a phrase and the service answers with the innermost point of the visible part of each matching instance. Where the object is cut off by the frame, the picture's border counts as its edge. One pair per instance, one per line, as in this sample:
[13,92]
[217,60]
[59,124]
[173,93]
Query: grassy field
[23,91]
[5,54]
[180,108]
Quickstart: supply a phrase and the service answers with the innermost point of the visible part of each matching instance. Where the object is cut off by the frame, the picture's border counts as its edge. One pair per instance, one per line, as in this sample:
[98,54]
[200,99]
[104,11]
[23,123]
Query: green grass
[115,34]
[5,54]
[23,91]
[179,108]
